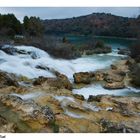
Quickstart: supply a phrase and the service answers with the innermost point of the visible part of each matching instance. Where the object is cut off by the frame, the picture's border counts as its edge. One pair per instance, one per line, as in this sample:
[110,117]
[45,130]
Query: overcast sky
[65,12]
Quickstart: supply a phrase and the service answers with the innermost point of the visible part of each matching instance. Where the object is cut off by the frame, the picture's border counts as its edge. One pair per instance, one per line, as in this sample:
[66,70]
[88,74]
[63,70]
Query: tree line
[100,24]
[11,26]
[95,24]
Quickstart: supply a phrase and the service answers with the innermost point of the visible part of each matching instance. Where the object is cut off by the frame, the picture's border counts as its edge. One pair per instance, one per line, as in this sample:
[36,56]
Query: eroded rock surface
[114,85]
[7,80]
[83,77]
[60,82]
[28,110]
[6,127]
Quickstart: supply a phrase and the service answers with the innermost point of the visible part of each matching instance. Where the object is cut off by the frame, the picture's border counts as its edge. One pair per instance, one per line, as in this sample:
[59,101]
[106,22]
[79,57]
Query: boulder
[7,80]
[83,77]
[80,97]
[94,98]
[60,82]
[64,80]
[114,85]
[114,77]
[99,75]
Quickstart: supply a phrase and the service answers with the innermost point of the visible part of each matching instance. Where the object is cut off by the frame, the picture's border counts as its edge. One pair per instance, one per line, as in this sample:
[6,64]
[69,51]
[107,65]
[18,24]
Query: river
[24,64]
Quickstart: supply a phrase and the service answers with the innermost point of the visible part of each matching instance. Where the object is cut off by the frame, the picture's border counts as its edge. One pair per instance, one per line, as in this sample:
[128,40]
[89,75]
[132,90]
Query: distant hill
[96,24]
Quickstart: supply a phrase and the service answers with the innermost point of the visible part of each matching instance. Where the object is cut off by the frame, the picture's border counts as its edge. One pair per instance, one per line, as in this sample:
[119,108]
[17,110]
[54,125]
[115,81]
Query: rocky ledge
[112,78]
[28,110]
[67,114]
[6,127]
[49,105]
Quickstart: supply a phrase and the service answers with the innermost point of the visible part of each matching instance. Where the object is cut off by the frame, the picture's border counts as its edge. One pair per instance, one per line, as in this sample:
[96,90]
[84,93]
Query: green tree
[33,26]
[26,22]
[10,25]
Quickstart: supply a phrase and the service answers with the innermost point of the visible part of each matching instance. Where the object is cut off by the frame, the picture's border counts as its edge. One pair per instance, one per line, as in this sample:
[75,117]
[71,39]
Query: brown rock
[65,81]
[99,76]
[28,109]
[60,82]
[113,77]
[80,97]
[121,127]
[75,107]
[83,77]
[7,80]
[6,127]
[114,85]
[94,98]
[113,67]
[130,62]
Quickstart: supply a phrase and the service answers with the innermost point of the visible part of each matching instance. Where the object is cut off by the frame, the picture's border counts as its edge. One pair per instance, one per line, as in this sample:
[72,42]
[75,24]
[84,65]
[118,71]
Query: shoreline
[48,105]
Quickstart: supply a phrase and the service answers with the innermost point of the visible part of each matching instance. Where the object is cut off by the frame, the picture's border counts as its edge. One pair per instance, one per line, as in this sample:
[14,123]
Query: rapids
[26,65]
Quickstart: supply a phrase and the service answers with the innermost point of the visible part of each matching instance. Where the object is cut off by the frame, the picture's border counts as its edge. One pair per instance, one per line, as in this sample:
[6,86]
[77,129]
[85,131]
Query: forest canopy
[100,24]
[10,26]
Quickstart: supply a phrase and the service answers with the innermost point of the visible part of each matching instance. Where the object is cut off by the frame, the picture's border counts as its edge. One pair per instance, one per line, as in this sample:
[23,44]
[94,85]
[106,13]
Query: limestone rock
[83,77]
[7,80]
[28,109]
[114,85]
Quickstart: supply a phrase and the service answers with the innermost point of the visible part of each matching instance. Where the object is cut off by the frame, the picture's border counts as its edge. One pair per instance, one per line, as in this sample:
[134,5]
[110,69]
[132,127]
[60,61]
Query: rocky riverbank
[48,104]
[37,94]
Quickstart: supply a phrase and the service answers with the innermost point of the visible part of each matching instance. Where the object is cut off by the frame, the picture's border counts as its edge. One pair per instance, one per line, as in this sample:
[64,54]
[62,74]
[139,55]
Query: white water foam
[24,64]
[27,96]
[99,90]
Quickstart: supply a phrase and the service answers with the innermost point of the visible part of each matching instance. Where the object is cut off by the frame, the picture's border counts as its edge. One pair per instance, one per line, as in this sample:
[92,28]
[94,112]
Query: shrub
[135,74]
[53,45]
[99,44]
[135,51]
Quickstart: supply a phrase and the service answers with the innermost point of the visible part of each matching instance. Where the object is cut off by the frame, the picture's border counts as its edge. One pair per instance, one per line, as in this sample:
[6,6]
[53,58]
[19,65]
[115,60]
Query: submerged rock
[9,49]
[83,77]
[94,98]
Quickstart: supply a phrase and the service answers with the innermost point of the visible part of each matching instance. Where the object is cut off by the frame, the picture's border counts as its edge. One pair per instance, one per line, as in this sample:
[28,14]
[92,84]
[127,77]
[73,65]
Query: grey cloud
[66,12]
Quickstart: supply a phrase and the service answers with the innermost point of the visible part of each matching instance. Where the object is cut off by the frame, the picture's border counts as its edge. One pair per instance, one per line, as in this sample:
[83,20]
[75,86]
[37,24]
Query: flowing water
[26,65]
